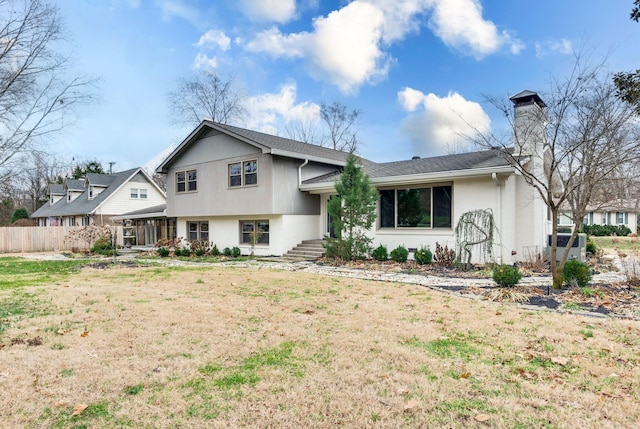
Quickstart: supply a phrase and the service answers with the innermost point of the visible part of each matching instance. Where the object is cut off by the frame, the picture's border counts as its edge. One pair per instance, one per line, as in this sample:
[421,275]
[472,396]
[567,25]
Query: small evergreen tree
[20,213]
[353,212]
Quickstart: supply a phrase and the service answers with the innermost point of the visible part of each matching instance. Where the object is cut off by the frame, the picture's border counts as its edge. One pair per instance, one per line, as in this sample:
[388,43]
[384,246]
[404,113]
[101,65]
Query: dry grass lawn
[163,347]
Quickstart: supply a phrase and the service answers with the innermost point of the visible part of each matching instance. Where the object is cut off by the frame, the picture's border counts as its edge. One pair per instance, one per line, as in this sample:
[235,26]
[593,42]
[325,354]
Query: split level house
[95,199]
[225,184]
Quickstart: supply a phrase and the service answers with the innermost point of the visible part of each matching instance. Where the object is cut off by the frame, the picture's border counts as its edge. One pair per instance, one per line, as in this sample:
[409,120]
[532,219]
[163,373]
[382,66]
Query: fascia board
[298,155]
[415,178]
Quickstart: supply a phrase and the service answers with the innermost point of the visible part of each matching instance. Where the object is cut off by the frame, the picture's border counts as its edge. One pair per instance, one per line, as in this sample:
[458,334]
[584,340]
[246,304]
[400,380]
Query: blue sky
[413,67]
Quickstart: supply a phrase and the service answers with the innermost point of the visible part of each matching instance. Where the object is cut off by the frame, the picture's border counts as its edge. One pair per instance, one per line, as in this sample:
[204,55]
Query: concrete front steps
[308,249]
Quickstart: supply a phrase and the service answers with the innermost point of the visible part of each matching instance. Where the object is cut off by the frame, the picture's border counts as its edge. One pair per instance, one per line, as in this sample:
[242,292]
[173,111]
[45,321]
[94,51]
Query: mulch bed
[613,299]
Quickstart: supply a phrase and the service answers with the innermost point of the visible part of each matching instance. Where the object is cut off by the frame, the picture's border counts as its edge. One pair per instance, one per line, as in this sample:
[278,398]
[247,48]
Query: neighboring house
[622,213]
[96,198]
[225,184]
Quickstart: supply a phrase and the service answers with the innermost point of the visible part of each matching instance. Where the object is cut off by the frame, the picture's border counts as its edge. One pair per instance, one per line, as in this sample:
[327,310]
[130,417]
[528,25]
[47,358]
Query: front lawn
[202,347]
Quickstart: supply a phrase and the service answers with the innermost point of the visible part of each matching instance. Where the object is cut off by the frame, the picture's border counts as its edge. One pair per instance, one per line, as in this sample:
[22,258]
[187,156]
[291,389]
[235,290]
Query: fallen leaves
[482,417]
[78,409]
[84,334]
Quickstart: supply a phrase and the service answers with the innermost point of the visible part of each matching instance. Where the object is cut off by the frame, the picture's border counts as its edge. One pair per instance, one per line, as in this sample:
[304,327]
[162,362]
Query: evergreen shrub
[400,254]
[577,271]
[423,256]
[506,275]
[380,253]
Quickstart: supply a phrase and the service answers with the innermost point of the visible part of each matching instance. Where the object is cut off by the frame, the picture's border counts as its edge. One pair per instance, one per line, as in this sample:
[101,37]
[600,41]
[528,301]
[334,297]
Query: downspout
[306,161]
[494,177]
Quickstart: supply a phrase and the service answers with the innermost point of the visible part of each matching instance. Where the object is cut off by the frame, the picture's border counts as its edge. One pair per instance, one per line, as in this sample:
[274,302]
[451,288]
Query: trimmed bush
[163,252]
[423,256]
[200,251]
[576,271]
[606,230]
[506,275]
[235,251]
[186,251]
[380,253]
[214,251]
[591,246]
[226,252]
[400,254]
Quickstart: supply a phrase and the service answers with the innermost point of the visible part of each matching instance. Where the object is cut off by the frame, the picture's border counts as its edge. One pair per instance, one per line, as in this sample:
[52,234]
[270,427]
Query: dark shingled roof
[82,205]
[285,144]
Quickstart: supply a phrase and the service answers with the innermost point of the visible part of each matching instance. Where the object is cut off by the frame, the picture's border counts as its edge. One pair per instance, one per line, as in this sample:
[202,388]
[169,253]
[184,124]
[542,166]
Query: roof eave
[318,188]
[297,155]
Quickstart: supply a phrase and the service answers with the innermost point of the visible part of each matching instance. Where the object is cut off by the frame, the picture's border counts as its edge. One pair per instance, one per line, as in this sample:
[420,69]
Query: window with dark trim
[198,231]
[243,173]
[187,181]
[428,207]
[257,230]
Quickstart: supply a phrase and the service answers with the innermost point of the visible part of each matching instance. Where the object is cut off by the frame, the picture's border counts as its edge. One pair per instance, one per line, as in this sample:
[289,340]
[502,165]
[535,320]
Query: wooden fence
[20,239]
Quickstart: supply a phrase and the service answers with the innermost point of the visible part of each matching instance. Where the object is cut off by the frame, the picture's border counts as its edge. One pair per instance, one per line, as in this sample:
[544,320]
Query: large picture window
[198,231]
[187,181]
[259,228]
[428,207]
[243,173]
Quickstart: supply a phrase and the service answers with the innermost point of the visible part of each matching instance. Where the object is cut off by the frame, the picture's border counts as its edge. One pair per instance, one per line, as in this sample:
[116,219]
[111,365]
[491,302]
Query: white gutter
[306,161]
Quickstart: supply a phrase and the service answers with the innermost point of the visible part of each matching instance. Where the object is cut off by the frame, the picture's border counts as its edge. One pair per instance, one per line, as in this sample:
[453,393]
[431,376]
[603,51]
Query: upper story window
[416,207]
[187,181]
[91,192]
[243,173]
[68,196]
[138,193]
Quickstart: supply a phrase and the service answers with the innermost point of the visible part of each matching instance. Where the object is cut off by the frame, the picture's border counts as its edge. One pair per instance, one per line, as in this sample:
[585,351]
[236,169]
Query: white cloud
[266,112]
[460,25]
[276,44]
[269,10]
[179,9]
[349,46]
[214,39]
[204,62]
[343,48]
[435,125]
[562,46]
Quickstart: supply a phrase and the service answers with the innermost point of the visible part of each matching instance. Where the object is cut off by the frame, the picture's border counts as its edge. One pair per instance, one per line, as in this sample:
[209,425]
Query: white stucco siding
[467,195]
[285,232]
[531,224]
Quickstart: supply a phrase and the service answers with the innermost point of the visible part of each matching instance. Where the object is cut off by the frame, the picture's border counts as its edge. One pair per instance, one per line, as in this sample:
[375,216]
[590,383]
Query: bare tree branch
[37,97]
[206,95]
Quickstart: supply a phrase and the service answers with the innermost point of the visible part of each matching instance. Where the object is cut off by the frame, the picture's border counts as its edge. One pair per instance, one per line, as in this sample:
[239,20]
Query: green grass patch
[446,348]
[20,305]
[20,272]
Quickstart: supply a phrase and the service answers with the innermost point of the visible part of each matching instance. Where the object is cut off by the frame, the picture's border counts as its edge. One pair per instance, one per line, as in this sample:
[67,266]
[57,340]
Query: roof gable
[267,143]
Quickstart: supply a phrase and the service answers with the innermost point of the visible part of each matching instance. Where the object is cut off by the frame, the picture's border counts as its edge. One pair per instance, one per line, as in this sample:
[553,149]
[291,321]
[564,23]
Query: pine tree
[353,212]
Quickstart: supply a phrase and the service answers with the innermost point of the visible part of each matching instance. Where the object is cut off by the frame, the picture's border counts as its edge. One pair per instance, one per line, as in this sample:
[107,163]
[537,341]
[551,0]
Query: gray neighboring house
[225,184]
[96,198]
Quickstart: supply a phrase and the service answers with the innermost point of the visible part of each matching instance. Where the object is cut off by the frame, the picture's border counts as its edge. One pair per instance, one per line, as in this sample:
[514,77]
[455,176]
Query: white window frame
[134,193]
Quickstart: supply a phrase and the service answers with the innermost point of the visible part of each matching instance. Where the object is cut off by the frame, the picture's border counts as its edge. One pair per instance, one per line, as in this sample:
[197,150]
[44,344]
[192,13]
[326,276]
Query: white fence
[20,239]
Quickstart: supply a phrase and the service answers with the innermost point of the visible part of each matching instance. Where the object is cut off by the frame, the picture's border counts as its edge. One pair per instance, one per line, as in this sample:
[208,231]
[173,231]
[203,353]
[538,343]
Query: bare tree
[569,145]
[37,93]
[306,131]
[206,95]
[34,181]
[341,126]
